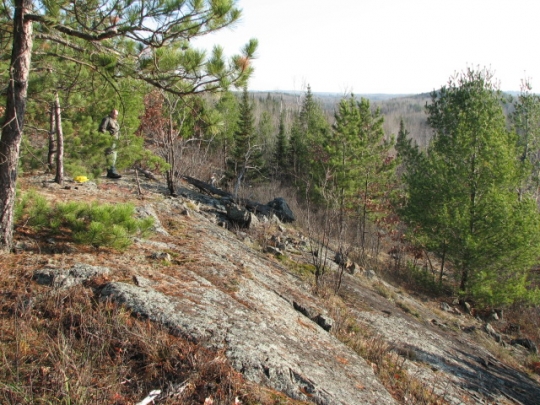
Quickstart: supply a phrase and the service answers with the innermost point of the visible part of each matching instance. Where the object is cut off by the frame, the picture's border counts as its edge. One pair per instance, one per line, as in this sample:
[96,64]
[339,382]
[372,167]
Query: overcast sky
[385,46]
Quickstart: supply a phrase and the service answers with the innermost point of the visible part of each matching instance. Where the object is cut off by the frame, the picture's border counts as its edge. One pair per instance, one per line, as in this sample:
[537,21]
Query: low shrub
[111,225]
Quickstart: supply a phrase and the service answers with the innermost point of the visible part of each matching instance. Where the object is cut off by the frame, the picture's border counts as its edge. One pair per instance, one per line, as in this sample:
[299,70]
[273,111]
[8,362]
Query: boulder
[526,343]
[491,332]
[65,278]
[239,216]
[280,207]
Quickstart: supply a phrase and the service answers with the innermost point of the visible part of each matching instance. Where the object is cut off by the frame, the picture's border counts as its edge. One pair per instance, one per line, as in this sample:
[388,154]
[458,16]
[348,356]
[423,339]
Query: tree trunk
[201,185]
[52,140]
[363,219]
[238,183]
[59,142]
[170,183]
[14,118]
[443,259]
[171,158]
[464,279]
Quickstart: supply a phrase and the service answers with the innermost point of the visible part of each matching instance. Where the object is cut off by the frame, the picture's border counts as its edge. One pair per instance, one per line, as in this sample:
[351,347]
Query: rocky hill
[245,293]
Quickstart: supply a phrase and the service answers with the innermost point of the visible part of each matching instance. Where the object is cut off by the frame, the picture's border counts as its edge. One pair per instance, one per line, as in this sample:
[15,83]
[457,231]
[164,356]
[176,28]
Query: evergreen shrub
[96,224]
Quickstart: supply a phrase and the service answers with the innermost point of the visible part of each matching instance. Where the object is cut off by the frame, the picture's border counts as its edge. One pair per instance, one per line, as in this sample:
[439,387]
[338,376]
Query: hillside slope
[217,287]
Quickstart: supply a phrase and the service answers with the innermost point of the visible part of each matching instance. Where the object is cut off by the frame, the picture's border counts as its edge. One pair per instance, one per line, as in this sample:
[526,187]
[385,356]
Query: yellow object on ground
[81,179]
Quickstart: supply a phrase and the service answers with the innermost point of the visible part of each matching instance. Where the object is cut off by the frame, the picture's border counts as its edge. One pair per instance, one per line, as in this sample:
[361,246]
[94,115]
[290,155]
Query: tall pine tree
[462,198]
[360,162]
[526,121]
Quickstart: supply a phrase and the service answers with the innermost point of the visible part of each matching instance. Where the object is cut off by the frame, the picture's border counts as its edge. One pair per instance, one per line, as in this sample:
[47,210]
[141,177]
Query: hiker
[110,124]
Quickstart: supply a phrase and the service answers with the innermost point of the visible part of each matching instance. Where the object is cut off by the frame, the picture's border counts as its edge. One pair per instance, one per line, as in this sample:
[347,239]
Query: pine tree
[462,201]
[526,121]
[360,162]
[115,38]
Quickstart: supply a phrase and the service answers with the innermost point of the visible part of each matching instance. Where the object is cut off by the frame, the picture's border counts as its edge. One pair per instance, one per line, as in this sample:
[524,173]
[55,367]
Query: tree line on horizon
[462,186]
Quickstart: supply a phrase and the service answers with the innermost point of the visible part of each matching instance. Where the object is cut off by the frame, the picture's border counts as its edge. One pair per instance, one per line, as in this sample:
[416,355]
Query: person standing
[110,124]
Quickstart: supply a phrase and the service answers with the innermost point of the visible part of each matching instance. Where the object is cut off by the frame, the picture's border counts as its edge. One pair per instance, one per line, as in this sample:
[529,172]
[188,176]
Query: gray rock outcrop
[65,278]
[239,216]
[283,351]
[149,211]
[526,343]
[236,299]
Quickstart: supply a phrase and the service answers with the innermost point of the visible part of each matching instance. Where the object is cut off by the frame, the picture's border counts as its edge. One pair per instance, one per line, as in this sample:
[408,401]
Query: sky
[385,46]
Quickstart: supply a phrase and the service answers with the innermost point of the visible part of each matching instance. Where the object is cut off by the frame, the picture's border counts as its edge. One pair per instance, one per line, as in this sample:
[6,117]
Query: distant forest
[393,107]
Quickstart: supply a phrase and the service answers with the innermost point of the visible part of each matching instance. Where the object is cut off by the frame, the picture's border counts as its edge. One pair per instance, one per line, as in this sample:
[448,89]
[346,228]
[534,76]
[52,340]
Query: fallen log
[208,188]
[147,173]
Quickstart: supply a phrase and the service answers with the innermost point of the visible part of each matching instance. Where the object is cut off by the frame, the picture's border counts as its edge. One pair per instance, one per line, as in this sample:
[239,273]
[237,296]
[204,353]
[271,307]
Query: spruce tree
[308,135]
[408,152]
[246,155]
[227,106]
[265,135]
[297,150]
[280,151]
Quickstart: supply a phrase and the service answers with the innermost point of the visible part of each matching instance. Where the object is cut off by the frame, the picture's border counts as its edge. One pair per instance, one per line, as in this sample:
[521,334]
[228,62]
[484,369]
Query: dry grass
[389,366]
[528,320]
[68,347]
[407,308]
[381,289]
